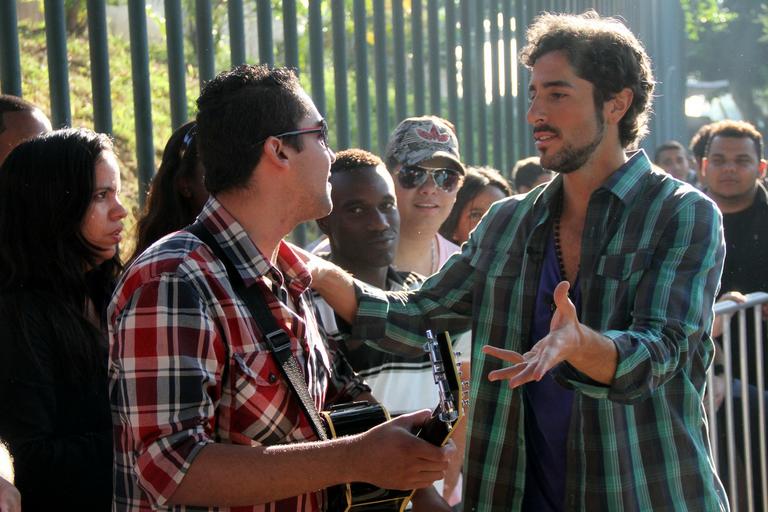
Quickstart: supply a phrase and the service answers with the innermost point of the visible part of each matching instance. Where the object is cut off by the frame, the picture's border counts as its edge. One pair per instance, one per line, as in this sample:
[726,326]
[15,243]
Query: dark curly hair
[354,158]
[738,130]
[605,53]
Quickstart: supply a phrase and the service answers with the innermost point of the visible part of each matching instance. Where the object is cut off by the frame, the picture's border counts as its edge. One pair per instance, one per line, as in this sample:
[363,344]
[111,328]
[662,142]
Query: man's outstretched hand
[561,343]
[568,340]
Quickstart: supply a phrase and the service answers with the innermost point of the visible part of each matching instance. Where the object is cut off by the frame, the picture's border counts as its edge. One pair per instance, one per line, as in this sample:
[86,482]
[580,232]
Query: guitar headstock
[447,377]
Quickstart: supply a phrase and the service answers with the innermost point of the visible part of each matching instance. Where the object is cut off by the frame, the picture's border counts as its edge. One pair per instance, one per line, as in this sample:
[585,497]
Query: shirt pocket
[622,266]
[263,409]
[498,290]
[494,263]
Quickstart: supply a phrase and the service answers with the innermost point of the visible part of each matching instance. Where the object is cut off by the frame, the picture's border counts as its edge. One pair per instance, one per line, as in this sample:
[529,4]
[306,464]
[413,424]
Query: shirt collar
[624,183]
[248,260]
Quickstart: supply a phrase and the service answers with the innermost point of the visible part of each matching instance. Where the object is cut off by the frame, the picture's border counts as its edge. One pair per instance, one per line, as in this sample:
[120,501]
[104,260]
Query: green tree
[728,39]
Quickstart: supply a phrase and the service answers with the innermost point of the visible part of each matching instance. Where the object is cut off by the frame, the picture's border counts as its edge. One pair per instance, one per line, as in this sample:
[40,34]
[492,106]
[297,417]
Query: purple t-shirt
[547,405]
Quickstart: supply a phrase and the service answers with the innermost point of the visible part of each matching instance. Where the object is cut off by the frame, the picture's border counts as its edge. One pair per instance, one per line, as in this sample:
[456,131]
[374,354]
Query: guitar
[356,417]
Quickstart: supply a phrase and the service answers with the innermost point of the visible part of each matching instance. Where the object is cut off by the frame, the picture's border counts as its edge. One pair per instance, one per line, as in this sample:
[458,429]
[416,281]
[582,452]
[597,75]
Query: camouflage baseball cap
[423,138]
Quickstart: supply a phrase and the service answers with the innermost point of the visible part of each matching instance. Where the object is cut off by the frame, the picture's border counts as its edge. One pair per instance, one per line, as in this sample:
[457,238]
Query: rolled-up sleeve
[165,367]
[672,307]
[396,321]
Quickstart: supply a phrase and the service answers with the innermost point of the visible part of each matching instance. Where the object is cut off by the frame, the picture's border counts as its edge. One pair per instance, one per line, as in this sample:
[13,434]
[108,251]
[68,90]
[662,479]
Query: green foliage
[35,88]
[730,41]
[703,15]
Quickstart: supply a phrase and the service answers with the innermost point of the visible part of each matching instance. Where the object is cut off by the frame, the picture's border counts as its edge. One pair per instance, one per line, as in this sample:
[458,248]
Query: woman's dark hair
[604,52]
[476,179]
[46,186]
[167,209]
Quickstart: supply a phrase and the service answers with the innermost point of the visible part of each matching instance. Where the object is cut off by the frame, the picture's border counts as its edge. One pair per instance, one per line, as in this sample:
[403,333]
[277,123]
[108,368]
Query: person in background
[528,174]
[61,221]
[733,168]
[673,158]
[482,187]
[10,499]
[363,232]
[423,157]
[698,148]
[19,120]
[177,193]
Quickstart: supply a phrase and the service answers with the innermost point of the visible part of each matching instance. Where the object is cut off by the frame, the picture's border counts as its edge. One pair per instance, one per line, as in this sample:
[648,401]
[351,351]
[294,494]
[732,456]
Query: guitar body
[355,417]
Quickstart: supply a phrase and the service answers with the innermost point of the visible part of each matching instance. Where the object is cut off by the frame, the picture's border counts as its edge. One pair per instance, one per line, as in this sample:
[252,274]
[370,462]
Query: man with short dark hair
[597,288]
[733,168]
[205,416]
[363,232]
[673,158]
[19,120]
[528,174]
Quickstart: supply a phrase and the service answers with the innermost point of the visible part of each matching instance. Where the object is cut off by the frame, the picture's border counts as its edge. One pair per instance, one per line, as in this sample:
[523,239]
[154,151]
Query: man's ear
[761,169]
[704,162]
[617,106]
[274,152]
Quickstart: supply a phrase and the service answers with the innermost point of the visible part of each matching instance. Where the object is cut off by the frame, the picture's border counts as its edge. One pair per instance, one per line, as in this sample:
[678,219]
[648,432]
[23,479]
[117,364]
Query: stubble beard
[572,158]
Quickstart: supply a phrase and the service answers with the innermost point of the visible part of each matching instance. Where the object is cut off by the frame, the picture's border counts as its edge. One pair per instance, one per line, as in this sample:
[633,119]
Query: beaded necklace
[558,247]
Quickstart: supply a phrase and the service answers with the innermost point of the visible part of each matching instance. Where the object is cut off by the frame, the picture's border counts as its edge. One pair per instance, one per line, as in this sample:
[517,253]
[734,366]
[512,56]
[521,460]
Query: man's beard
[571,158]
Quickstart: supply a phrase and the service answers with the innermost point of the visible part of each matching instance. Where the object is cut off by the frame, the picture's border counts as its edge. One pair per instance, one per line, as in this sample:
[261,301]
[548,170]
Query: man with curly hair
[597,292]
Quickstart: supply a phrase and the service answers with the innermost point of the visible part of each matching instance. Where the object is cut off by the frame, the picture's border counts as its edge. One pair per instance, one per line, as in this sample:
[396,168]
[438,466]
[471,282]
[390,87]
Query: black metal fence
[453,58]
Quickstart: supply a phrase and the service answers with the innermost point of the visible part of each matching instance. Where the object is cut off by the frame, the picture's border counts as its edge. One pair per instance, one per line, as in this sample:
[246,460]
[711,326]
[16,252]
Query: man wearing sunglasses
[590,301]
[205,417]
[423,157]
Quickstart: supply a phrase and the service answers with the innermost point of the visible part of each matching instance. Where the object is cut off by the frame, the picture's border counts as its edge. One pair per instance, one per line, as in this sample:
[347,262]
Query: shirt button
[272,378]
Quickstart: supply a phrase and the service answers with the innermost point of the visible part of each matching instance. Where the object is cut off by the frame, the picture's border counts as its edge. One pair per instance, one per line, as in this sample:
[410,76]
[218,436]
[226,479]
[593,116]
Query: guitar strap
[277,339]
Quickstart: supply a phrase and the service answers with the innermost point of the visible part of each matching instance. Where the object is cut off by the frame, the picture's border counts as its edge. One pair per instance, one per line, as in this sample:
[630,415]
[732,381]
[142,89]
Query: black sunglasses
[322,130]
[413,177]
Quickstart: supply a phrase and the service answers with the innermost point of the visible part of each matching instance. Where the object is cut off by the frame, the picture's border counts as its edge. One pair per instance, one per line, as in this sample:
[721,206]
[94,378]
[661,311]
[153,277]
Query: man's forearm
[236,475]
[337,288]
[596,357]
[388,456]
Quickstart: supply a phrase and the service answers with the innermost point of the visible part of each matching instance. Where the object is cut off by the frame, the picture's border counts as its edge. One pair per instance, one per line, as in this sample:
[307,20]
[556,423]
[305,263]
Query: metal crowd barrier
[747,461]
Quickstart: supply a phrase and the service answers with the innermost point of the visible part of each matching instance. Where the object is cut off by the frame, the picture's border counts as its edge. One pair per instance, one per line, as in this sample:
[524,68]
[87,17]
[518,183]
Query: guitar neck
[439,427]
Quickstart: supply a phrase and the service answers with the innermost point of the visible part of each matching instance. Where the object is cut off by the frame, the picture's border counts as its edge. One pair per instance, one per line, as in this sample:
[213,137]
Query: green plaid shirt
[651,258]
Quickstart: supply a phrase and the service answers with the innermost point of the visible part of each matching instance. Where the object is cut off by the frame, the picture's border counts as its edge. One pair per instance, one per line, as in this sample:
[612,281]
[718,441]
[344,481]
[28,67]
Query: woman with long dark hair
[176,194]
[482,187]
[60,226]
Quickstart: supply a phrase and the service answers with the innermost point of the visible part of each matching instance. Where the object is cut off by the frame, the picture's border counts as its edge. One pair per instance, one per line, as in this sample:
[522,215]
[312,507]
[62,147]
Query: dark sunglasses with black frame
[322,130]
[412,176]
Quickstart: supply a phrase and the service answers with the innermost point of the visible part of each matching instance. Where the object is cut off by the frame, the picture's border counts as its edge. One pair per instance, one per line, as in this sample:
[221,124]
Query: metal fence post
[142,100]
[10,60]
[361,77]
[177,85]
[340,74]
[382,84]
[99,51]
[58,73]
[235,17]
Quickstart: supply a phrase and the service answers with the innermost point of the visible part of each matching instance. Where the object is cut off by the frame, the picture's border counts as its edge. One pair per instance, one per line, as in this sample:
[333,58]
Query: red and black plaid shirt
[175,325]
